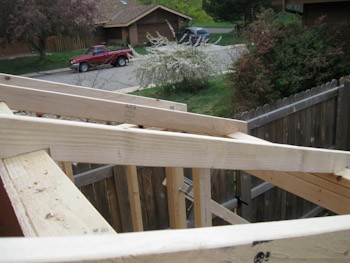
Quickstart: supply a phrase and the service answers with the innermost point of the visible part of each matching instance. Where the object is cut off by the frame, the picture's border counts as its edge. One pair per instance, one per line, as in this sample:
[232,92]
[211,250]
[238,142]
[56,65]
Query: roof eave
[147,13]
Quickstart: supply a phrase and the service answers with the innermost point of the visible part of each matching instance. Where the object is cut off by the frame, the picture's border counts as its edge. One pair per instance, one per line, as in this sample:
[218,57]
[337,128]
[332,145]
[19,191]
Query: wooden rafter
[21,98]
[88,92]
[333,196]
[316,240]
[45,201]
[94,143]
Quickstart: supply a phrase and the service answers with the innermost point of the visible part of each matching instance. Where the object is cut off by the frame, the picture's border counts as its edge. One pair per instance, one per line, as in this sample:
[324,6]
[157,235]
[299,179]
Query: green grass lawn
[226,39]
[30,64]
[212,24]
[213,100]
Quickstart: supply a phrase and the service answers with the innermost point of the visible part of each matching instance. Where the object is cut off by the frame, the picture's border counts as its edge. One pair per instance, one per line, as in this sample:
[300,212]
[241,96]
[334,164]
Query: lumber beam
[21,98]
[176,198]
[246,137]
[335,197]
[4,109]
[221,210]
[45,201]
[88,92]
[313,212]
[134,198]
[95,143]
[343,175]
[261,189]
[68,170]
[202,197]
[323,239]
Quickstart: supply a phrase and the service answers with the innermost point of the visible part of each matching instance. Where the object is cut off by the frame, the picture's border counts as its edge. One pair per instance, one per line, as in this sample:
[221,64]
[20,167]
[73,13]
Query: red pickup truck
[98,55]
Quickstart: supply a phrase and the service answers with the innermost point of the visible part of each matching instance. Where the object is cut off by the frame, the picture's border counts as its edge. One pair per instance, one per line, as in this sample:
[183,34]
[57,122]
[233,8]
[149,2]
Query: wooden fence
[53,44]
[68,43]
[320,118]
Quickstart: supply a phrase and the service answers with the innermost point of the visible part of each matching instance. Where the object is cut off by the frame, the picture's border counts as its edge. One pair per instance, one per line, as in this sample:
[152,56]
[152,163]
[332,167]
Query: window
[99,50]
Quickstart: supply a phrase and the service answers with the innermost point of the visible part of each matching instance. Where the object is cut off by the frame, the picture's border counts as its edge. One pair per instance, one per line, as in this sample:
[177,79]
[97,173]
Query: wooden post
[202,197]
[67,169]
[134,198]
[176,198]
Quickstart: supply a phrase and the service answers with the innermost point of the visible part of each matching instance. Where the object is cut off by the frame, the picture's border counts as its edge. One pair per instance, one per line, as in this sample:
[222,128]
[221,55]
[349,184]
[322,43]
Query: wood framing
[176,198]
[335,197]
[134,198]
[91,108]
[94,143]
[315,240]
[88,92]
[216,209]
[68,170]
[45,201]
[42,202]
[4,109]
[202,197]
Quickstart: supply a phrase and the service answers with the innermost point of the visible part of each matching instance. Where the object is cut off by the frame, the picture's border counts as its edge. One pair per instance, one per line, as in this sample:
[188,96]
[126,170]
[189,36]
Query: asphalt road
[110,78]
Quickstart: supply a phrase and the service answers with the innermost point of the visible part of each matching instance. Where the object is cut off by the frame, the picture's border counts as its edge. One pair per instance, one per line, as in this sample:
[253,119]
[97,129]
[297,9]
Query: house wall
[133,35]
[156,21]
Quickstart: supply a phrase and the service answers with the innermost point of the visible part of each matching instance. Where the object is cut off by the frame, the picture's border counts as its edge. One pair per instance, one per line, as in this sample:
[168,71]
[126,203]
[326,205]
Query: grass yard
[214,100]
[30,64]
[226,39]
[212,24]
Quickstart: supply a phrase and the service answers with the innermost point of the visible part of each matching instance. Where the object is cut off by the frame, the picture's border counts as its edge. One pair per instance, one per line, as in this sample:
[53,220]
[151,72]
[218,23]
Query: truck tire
[83,67]
[121,61]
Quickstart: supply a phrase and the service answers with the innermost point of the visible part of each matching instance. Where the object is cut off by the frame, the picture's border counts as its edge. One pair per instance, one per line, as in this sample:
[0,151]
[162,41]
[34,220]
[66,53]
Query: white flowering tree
[163,68]
[172,64]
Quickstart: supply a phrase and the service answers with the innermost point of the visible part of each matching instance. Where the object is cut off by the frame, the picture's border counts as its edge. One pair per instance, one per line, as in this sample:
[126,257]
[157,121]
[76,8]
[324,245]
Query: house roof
[113,13]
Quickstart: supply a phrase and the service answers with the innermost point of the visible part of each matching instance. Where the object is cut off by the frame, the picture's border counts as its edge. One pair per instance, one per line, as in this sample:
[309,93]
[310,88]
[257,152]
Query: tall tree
[34,21]
[234,10]
[7,8]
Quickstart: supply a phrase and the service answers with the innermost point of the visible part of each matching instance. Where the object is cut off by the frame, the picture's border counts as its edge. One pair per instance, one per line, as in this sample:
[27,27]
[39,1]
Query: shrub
[180,69]
[284,59]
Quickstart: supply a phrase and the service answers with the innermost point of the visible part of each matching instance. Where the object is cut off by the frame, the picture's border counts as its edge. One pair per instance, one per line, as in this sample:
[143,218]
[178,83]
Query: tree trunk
[40,46]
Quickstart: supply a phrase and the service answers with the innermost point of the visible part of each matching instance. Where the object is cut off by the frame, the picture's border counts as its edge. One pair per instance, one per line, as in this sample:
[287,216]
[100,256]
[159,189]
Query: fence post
[343,117]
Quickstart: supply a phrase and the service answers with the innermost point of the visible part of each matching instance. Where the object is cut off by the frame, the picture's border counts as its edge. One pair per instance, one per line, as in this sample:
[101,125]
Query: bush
[181,69]
[284,59]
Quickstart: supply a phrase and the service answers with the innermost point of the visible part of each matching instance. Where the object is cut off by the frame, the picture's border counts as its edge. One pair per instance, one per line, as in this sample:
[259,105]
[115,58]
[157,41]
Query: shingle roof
[114,13]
